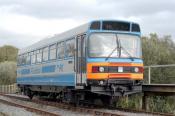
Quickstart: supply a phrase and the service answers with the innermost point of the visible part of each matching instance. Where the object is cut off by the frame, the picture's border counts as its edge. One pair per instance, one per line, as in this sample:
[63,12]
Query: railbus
[100,59]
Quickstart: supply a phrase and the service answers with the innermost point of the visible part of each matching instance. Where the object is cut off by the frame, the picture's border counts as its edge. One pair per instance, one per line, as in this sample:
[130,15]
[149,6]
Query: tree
[8,53]
[7,72]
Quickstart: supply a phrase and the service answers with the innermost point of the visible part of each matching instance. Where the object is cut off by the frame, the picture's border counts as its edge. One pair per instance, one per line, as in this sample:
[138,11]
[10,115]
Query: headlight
[101,69]
[136,69]
[101,82]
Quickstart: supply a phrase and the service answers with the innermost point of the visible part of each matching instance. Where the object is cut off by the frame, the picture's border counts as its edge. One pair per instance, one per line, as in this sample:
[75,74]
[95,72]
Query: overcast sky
[23,22]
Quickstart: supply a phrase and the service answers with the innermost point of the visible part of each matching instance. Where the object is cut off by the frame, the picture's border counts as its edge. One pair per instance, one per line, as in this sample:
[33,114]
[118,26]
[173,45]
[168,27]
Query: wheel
[29,93]
[109,101]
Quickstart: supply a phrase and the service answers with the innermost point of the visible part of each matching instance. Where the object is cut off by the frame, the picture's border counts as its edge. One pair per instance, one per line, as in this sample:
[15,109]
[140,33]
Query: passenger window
[60,50]
[39,56]
[23,59]
[28,59]
[70,46]
[45,53]
[19,60]
[33,57]
[52,52]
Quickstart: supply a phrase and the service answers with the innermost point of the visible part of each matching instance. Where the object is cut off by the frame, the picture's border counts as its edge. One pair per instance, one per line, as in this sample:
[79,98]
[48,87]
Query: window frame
[66,49]
[28,56]
[39,51]
[62,45]
[50,49]
[33,53]
[47,53]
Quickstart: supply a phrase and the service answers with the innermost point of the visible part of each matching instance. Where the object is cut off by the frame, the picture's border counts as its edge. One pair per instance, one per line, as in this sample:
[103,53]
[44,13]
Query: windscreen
[120,45]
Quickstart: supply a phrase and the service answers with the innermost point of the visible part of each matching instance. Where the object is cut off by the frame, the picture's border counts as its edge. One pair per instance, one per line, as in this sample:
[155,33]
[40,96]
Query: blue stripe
[114,60]
[47,69]
[25,71]
[57,80]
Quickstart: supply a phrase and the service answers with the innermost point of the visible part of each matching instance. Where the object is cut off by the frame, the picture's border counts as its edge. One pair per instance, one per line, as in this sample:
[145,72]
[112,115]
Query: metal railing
[9,88]
[156,66]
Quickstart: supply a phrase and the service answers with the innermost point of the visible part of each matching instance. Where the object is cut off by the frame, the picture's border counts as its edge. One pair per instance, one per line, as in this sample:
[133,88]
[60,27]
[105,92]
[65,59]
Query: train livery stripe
[135,76]
[114,60]
[89,65]
[97,76]
[47,69]
[25,71]
[56,80]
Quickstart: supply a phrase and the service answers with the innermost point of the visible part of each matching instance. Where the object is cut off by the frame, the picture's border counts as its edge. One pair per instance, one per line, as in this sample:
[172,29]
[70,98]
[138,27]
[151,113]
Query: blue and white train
[102,58]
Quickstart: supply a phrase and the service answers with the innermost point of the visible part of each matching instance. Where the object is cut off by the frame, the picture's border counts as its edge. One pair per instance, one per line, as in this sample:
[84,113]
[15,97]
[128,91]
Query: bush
[7,72]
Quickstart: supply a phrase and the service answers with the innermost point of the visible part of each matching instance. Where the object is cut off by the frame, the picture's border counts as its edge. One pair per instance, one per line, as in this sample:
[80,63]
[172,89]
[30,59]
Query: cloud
[36,19]
[87,8]
[18,40]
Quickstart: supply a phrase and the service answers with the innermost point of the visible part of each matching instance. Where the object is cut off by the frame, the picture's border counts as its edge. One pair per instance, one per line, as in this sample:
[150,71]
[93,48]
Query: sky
[24,22]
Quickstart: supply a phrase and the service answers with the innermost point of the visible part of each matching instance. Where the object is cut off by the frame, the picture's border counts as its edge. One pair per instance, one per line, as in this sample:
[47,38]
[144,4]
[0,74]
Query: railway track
[91,111]
[31,109]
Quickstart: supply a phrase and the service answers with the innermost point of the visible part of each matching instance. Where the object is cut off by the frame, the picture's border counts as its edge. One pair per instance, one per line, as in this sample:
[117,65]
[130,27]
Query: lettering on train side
[60,67]
[35,70]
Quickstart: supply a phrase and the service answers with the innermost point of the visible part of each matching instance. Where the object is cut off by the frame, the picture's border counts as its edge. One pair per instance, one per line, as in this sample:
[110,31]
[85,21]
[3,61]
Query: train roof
[62,36]
[57,37]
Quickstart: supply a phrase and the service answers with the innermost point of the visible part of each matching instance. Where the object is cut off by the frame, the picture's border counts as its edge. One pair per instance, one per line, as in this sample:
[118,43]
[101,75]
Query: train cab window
[39,56]
[45,53]
[116,26]
[135,28]
[53,53]
[28,59]
[95,25]
[60,50]
[70,46]
[33,57]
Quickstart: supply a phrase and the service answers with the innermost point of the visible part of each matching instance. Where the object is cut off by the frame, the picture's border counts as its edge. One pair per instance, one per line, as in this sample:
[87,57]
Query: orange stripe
[91,75]
[97,75]
[89,65]
[119,75]
[114,75]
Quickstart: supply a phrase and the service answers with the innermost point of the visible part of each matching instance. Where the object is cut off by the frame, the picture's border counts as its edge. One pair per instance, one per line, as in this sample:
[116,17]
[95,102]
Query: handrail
[156,66]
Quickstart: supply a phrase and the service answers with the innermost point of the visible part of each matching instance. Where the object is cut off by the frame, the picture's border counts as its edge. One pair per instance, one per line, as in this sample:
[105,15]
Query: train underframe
[107,91]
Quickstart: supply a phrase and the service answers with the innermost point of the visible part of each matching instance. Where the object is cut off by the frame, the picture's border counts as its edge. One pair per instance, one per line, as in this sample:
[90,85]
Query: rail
[84,109]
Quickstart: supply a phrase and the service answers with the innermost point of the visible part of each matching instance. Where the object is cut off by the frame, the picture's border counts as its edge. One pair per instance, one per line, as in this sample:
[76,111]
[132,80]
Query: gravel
[126,113]
[15,111]
[6,110]
[55,110]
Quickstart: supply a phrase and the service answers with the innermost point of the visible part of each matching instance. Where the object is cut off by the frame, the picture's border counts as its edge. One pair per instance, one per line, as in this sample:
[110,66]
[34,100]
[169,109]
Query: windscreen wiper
[116,48]
[121,47]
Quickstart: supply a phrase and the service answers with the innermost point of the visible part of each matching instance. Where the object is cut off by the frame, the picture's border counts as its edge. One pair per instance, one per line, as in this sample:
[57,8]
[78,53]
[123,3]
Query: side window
[45,53]
[23,60]
[60,50]
[19,60]
[28,59]
[70,46]
[53,53]
[33,57]
[95,25]
[39,56]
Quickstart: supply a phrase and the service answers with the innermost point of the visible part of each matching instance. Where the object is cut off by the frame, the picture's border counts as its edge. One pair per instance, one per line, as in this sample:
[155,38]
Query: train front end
[114,62]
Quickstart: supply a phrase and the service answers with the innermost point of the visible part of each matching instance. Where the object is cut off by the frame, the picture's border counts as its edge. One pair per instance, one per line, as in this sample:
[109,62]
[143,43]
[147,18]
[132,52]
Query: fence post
[149,75]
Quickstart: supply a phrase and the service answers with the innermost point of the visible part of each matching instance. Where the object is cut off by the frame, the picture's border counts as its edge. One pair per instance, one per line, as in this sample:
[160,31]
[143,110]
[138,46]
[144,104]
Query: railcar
[100,59]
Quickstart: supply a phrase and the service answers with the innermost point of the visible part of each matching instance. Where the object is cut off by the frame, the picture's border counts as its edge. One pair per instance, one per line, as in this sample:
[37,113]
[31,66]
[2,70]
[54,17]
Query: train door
[80,62]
